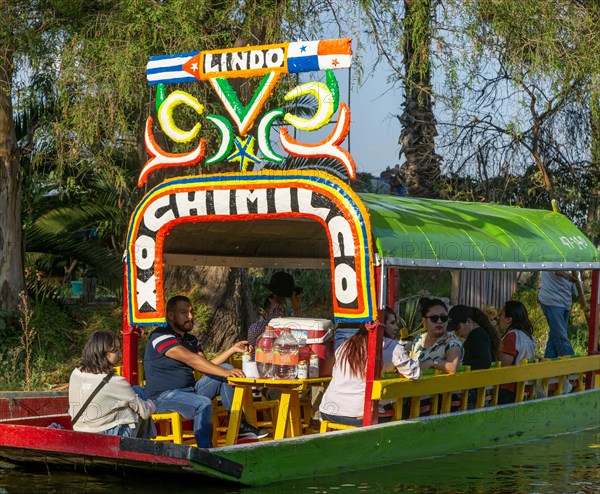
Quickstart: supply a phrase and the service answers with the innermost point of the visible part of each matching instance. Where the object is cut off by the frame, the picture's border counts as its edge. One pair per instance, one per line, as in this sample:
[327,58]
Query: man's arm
[239,347]
[200,362]
[566,275]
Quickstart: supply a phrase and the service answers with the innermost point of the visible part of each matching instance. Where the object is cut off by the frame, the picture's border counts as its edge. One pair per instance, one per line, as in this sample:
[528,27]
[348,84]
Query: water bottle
[285,355]
[264,352]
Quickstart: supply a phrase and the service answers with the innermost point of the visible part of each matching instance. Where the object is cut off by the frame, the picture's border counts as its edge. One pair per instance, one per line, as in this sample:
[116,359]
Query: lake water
[568,463]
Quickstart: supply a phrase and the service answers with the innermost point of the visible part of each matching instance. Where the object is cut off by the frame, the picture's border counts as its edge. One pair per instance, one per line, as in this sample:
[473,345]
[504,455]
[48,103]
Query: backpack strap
[91,397]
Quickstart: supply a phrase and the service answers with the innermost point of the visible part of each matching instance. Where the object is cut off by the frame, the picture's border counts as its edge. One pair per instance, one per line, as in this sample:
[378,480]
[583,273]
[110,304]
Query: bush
[9,334]
[60,332]
[54,329]
[414,282]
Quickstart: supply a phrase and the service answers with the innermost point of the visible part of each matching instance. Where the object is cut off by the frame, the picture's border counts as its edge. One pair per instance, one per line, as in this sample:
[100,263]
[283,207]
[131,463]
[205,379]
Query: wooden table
[288,416]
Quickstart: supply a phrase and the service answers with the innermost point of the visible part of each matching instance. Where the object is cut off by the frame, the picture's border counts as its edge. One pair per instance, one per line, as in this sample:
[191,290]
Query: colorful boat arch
[230,197]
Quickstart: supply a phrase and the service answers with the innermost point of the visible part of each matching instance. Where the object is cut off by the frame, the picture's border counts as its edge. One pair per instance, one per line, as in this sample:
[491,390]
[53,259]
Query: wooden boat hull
[318,454]
[30,444]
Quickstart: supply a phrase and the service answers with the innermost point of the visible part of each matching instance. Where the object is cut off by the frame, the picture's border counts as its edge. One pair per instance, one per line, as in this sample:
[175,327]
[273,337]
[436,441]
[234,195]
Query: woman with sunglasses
[436,348]
[115,408]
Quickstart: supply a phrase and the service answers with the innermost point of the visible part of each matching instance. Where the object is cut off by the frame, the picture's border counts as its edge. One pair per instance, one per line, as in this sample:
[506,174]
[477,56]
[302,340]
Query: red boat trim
[196,455]
[81,444]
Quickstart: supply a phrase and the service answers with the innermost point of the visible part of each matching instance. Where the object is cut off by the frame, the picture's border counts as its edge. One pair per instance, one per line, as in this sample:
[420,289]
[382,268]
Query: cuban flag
[169,69]
[306,56]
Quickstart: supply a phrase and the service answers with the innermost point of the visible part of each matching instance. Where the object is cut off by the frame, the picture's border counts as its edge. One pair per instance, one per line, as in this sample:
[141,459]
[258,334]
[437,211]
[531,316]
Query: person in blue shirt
[555,297]
[172,354]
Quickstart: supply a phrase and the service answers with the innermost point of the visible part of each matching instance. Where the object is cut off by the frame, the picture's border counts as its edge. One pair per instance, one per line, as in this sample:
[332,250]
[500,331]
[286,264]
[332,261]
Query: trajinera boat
[311,218]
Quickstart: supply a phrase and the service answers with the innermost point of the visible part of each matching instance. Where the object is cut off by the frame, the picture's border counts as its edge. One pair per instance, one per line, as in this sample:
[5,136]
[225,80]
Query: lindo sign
[276,190]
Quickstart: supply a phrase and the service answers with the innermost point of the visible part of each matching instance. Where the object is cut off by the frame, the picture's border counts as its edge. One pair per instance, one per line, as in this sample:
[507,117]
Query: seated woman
[481,340]
[257,328]
[517,343]
[436,348]
[344,399]
[102,402]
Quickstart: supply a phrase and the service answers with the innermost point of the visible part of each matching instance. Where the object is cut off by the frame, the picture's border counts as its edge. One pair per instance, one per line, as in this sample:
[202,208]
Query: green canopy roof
[451,234]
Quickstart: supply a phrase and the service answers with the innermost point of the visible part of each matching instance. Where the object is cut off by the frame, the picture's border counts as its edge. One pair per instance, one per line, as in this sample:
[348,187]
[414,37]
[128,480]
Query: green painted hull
[341,451]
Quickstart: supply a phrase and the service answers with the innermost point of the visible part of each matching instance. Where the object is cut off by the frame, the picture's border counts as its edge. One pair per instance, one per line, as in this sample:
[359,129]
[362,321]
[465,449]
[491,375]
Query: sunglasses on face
[437,317]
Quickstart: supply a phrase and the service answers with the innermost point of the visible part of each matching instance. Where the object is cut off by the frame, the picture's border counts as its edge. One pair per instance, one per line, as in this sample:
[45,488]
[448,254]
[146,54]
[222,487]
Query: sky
[374,102]
[374,129]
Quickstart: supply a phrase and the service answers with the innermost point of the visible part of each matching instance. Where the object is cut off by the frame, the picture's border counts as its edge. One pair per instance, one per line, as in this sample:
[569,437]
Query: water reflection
[563,464]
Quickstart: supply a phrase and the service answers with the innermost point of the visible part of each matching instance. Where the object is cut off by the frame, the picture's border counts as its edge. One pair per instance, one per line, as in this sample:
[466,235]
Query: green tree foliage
[28,34]
[105,100]
[558,39]
[408,28]
[102,97]
[525,94]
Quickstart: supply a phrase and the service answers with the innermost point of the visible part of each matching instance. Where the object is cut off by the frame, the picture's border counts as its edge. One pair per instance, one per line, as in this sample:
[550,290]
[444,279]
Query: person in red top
[517,342]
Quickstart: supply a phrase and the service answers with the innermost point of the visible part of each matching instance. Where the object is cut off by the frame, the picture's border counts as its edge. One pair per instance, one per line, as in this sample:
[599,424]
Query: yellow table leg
[295,425]
[235,415]
[248,407]
[282,415]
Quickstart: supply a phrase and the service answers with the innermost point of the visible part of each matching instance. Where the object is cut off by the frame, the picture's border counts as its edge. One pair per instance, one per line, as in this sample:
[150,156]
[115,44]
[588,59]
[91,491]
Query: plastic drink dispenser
[264,352]
[285,355]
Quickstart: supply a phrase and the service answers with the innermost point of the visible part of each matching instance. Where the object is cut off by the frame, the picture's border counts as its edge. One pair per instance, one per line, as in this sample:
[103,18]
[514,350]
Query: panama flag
[169,68]
[305,56]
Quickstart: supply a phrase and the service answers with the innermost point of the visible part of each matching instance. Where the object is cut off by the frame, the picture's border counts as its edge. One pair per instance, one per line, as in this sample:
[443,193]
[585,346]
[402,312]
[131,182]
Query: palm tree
[86,230]
[421,169]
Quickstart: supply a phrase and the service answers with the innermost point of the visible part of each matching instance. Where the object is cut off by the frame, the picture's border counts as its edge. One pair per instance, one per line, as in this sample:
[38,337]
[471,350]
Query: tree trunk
[232,307]
[593,219]
[12,280]
[421,170]
[225,291]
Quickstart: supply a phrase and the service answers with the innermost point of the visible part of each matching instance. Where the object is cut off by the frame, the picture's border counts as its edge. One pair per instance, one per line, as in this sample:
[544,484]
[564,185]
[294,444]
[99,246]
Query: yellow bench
[327,426]
[169,427]
[141,379]
[441,387]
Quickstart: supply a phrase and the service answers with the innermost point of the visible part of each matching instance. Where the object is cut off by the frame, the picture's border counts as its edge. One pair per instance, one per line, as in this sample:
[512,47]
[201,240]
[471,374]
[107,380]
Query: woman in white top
[117,409]
[343,401]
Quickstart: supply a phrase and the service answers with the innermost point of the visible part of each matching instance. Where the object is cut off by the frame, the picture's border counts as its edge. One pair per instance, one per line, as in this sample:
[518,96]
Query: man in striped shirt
[172,354]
